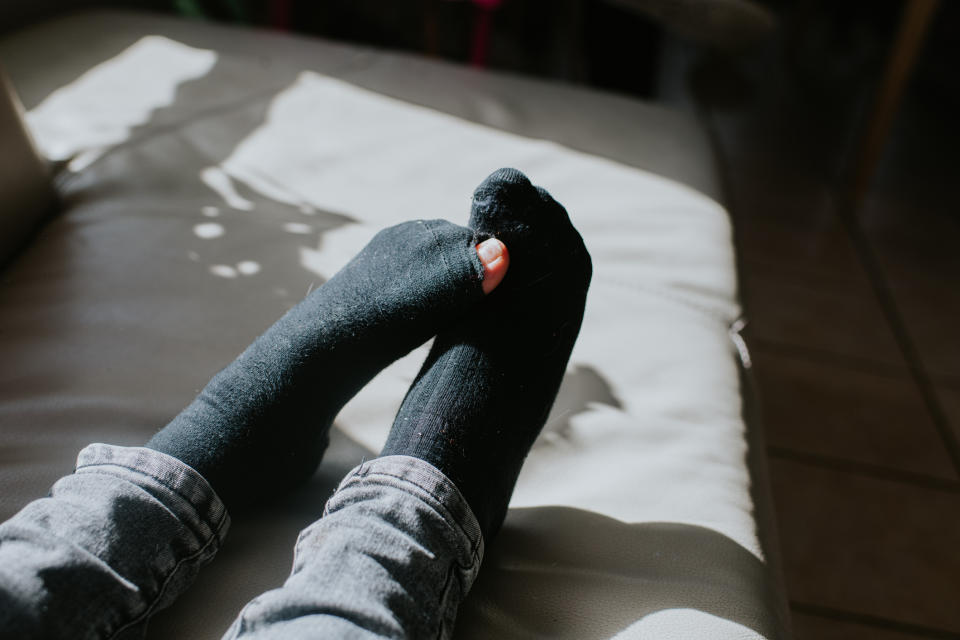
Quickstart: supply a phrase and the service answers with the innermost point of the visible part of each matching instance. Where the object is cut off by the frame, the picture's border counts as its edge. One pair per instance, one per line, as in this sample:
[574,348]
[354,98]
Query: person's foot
[487,386]
[261,425]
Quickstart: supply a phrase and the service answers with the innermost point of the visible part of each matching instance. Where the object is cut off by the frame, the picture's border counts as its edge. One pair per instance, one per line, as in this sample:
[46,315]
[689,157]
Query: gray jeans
[395,552]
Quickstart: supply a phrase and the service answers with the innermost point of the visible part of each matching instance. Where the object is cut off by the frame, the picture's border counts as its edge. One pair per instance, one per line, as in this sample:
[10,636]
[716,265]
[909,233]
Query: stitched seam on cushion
[702,310]
[215,537]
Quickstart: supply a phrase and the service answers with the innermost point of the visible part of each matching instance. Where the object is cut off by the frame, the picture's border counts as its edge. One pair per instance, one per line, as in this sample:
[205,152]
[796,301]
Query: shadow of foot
[582,388]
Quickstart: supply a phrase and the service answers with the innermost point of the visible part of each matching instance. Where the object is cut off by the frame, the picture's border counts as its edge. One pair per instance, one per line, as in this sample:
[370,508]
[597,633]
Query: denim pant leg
[394,554]
[113,543]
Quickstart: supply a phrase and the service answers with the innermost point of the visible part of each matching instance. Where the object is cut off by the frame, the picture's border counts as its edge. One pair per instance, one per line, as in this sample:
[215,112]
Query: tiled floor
[854,330]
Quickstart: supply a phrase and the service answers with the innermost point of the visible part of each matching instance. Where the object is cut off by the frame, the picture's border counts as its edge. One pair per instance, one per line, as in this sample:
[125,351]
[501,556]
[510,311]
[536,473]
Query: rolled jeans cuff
[393,556]
[427,483]
[125,534]
[178,486]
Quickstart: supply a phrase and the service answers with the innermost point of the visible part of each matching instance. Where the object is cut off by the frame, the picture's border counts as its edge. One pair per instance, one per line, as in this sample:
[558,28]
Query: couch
[208,177]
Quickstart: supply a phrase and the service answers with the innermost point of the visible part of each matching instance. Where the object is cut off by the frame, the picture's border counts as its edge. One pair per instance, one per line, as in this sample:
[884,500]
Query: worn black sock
[261,424]
[488,384]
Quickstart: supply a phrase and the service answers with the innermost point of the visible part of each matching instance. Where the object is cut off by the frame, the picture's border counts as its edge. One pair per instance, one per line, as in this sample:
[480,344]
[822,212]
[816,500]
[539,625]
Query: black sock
[487,386]
[261,425]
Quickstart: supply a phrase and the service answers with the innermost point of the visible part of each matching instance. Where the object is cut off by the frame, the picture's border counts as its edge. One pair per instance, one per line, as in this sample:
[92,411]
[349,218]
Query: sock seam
[470,271]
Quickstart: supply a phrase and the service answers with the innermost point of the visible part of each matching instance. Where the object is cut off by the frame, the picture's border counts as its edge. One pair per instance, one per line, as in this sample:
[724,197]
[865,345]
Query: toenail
[490,250]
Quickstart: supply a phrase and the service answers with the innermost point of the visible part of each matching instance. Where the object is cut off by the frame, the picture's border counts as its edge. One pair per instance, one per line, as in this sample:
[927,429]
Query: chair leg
[913,30]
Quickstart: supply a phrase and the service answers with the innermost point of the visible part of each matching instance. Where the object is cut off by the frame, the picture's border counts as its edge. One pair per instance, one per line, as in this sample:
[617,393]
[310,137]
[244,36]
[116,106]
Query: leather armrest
[26,193]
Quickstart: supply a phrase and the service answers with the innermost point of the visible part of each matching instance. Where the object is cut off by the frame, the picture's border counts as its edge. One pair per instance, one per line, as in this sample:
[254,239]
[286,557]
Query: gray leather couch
[208,177]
